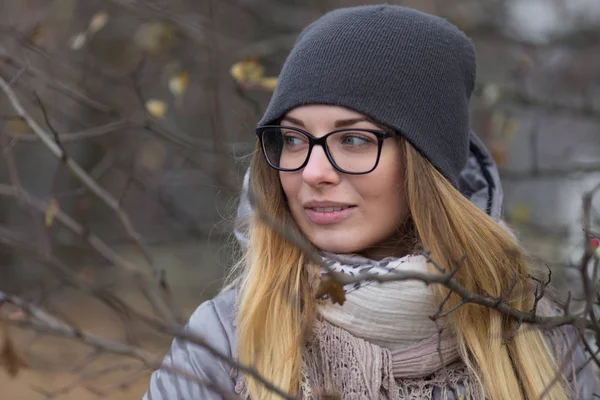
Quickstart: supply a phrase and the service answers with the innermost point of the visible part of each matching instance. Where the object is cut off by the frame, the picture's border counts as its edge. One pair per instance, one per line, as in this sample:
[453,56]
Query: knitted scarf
[381,343]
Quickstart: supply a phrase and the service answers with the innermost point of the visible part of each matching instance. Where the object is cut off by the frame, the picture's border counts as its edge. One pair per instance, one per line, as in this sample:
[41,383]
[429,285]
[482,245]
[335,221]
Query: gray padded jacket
[213,320]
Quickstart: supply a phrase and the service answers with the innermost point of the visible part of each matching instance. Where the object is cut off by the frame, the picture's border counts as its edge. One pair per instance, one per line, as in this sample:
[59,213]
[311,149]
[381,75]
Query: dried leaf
[491,94]
[51,212]
[499,152]
[269,83]
[521,213]
[332,288]
[35,33]
[17,125]
[178,83]
[510,128]
[248,71]
[152,155]
[78,41]
[156,108]
[98,21]
[10,358]
[155,36]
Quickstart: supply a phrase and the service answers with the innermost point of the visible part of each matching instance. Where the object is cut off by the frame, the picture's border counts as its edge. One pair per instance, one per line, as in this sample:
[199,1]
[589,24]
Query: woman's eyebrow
[293,121]
[340,123]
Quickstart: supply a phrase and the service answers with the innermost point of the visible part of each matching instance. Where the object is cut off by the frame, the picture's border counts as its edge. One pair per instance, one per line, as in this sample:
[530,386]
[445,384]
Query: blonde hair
[276,301]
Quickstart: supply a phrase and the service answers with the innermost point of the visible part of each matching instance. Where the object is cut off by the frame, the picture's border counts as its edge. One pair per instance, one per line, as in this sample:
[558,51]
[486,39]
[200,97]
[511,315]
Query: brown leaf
[499,152]
[17,125]
[10,358]
[51,211]
[34,33]
[332,288]
[155,36]
[98,21]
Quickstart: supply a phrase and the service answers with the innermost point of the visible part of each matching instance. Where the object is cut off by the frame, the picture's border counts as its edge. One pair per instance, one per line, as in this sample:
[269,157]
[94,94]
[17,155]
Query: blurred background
[155,102]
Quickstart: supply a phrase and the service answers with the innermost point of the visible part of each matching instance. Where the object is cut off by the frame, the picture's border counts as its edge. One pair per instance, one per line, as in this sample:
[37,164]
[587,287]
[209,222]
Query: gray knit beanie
[405,69]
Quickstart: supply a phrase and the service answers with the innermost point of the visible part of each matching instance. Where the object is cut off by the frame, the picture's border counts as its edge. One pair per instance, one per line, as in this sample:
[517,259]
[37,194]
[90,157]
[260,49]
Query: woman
[365,150]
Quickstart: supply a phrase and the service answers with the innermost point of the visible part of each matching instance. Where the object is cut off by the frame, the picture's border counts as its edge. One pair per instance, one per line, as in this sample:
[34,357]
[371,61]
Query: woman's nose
[318,170]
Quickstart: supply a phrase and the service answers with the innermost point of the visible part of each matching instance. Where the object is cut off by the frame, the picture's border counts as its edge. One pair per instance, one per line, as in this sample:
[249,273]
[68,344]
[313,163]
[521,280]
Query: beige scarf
[395,315]
[382,343]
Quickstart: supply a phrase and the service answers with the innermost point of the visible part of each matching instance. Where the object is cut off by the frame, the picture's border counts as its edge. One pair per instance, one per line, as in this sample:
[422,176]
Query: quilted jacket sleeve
[213,322]
[583,380]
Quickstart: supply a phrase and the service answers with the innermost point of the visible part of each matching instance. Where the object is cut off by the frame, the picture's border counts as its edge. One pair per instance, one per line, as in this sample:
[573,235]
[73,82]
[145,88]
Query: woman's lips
[329,215]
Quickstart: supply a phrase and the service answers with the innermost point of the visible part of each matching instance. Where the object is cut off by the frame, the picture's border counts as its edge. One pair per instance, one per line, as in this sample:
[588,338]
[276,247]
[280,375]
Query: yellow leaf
[510,128]
[155,36]
[269,83]
[178,83]
[597,252]
[98,21]
[16,125]
[78,41]
[521,213]
[157,108]
[51,212]
[247,71]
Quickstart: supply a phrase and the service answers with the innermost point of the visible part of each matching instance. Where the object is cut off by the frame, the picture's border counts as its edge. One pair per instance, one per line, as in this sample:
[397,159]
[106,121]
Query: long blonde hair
[276,301]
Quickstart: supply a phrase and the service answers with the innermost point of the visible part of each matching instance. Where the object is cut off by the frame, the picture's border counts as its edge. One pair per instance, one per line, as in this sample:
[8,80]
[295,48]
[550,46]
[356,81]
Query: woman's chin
[337,247]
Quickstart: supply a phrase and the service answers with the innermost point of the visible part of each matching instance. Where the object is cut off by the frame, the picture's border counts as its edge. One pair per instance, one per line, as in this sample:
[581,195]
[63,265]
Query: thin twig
[85,178]
[76,136]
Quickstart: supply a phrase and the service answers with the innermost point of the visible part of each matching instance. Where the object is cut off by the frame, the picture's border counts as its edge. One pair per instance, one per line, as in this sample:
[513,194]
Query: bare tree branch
[49,325]
[84,177]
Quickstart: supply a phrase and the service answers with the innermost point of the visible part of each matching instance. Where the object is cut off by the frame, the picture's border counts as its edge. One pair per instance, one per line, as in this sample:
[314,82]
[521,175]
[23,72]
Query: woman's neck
[398,245]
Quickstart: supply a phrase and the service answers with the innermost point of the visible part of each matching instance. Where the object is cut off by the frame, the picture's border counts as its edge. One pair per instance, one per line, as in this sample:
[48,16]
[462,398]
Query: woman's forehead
[322,110]
[325,114]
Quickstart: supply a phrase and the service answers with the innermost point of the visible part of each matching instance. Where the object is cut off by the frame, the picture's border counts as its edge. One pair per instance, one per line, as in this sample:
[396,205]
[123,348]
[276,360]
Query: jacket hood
[479,181]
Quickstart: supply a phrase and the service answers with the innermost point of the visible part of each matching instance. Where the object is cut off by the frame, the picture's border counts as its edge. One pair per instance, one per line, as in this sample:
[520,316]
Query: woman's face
[373,204]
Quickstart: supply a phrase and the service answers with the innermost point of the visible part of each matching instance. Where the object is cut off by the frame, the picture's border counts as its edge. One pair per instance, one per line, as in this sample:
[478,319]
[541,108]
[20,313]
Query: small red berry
[595,243]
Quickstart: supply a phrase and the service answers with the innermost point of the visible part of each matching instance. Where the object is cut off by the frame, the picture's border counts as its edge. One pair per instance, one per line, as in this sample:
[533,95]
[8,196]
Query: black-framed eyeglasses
[350,151]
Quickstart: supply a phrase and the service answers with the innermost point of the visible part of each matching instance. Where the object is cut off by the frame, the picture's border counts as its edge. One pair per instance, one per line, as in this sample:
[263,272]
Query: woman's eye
[292,140]
[355,140]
